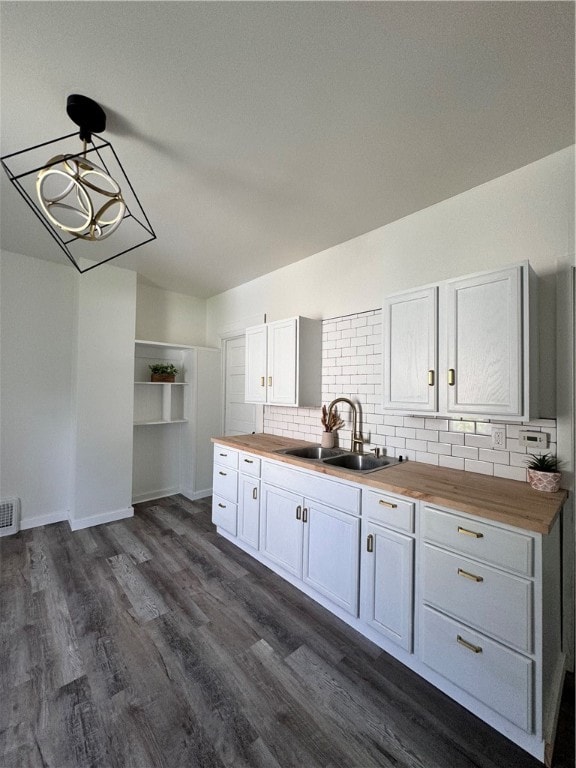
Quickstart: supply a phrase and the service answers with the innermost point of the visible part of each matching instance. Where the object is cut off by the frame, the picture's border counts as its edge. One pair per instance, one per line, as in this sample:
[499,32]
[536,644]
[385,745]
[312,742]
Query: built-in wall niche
[158,403]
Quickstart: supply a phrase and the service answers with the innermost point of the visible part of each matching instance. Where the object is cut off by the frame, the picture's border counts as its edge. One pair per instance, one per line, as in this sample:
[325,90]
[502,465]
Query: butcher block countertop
[493,498]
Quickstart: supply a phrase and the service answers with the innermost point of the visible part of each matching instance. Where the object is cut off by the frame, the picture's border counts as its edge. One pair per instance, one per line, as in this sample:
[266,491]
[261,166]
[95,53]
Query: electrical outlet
[499,438]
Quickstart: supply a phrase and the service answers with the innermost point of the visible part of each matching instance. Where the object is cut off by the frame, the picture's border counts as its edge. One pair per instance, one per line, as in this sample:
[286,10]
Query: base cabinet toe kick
[471,605]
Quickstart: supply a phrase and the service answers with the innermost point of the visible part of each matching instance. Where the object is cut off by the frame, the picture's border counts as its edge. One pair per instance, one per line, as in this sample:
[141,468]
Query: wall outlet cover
[499,438]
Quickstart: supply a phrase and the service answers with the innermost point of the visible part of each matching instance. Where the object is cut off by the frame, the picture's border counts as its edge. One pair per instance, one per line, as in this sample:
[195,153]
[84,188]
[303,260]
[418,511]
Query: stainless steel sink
[312,452]
[360,462]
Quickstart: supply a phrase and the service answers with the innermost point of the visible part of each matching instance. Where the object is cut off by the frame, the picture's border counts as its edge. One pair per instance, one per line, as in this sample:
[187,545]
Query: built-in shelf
[160,421]
[164,383]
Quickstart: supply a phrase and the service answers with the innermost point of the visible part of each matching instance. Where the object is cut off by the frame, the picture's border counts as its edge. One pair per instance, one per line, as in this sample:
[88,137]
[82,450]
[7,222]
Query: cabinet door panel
[249,510]
[410,332]
[280,530]
[387,583]
[331,554]
[282,357]
[484,316]
[256,364]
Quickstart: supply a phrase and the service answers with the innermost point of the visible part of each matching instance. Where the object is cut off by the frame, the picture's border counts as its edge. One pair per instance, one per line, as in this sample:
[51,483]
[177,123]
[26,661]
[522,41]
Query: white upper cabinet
[463,347]
[284,362]
[410,355]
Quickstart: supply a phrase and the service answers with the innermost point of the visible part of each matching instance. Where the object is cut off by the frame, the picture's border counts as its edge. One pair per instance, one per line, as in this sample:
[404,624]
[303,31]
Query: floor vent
[9,516]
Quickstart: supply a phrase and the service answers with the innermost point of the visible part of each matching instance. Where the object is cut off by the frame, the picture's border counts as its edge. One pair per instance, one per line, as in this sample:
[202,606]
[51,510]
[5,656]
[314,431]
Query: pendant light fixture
[77,197]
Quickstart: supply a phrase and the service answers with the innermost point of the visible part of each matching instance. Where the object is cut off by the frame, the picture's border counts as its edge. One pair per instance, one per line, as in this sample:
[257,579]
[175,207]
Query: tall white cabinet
[173,422]
[464,347]
[284,362]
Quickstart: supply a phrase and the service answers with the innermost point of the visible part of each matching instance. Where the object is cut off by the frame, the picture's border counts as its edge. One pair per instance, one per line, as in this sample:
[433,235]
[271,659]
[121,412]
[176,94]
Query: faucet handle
[376,451]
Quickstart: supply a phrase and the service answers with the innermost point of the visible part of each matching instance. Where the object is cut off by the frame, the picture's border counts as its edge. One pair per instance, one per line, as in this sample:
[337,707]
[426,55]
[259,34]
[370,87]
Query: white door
[484,318]
[387,579]
[331,554]
[249,510]
[239,416]
[281,528]
[256,362]
[410,333]
[282,356]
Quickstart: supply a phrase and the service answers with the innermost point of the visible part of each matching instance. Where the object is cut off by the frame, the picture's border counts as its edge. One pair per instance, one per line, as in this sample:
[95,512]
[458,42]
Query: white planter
[327,439]
[544,481]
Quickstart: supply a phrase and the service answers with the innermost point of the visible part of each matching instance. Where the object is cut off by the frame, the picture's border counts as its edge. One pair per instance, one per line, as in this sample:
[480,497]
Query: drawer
[497,676]
[225,483]
[249,464]
[494,545]
[225,456]
[312,485]
[388,510]
[224,514]
[496,603]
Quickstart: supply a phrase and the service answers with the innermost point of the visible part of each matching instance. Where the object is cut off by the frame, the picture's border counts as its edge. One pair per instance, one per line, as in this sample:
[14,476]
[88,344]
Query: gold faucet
[357,442]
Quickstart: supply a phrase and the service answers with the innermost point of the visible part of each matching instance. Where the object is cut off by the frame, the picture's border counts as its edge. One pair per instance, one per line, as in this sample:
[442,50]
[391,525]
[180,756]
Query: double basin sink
[336,457]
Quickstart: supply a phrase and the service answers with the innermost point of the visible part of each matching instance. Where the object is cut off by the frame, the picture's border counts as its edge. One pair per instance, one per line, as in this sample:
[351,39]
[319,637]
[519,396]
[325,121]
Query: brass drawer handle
[262,381]
[469,646]
[223,506]
[370,543]
[430,378]
[387,504]
[466,532]
[470,576]
[255,493]
[298,512]
[269,381]
[451,376]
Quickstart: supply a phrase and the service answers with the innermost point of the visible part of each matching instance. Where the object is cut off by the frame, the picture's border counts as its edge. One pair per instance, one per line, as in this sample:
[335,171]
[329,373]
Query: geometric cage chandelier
[81,194]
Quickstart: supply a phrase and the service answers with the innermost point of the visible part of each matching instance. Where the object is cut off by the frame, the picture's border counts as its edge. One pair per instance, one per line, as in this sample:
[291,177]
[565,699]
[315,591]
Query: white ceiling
[257,134]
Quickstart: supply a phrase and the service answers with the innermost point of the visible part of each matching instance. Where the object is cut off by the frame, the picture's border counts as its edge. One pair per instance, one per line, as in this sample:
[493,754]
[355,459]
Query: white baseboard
[195,495]
[104,517]
[36,522]
[151,495]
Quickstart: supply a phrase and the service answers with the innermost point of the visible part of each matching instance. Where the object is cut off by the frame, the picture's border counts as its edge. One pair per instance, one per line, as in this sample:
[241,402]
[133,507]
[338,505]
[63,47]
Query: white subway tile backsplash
[351,366]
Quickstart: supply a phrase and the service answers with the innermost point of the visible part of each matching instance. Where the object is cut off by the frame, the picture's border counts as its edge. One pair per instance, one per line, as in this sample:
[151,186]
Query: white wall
[102,483]
[527,214]
[168,316]
[37,337]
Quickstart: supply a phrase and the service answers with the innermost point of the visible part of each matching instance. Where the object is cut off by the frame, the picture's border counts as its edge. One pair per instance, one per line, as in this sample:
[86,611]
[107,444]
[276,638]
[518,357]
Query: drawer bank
[455,574]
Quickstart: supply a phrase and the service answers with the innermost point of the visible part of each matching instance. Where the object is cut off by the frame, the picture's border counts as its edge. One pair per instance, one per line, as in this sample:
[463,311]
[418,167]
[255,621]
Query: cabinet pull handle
[222,473]
[269,381]
[387,504]
[249,461]
[222,505]
[262,381]
[370,543]
[466,532]
[223,454]
[470,576]
[298,512]
[451,376]
[305,515]
[430,378]
[255,493]
[469,646]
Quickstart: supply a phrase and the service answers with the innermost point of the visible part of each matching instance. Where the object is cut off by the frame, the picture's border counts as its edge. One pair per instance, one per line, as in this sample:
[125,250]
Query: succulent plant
[544,462]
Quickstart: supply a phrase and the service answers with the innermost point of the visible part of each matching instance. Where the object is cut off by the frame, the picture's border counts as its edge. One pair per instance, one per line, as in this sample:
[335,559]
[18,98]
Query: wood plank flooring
[155,643]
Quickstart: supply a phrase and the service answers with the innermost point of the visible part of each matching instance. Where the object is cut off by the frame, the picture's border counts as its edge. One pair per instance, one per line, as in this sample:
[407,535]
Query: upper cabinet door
[484,344]
[255,382]
[282,362]
[410,355]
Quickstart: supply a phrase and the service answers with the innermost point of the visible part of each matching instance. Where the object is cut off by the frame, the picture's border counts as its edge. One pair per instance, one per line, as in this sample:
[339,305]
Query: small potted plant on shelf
[331,424]
[165,372]
[543,474]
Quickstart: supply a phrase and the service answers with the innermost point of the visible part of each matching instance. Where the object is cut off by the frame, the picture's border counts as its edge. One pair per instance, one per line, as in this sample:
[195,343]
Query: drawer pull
[262,381]
[470,576]
[269,381]
[387,504]
[255,493]
[249,461]
[305,515]
[431,378]
[469,646]
[370,543]
[451,377]
[223,454]
[298,512]
[222,506]
[466,532]
[223,474]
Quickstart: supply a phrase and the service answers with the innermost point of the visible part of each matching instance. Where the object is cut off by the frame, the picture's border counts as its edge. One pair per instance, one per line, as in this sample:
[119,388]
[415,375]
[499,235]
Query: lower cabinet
[313,542]
[249,510]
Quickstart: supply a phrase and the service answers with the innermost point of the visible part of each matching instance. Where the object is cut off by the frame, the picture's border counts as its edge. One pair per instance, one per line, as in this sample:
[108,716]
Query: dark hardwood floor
[154,643]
